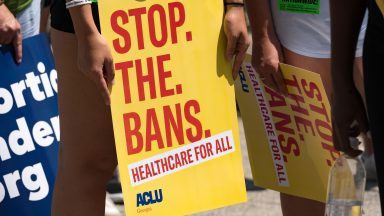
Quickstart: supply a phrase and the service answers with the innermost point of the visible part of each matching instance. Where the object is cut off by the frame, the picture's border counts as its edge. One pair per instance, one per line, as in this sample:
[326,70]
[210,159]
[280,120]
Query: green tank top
[15,6]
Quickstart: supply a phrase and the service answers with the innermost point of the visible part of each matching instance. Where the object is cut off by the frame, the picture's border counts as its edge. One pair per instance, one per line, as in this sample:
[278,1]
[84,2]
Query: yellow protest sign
[173,106]
[289,139]
[380,4]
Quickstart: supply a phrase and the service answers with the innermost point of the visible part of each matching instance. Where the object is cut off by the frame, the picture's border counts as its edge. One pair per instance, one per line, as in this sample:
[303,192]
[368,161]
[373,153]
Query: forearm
[234,1]
[259,13]
[228,4]
[83,21]
[346,19]
[5,14]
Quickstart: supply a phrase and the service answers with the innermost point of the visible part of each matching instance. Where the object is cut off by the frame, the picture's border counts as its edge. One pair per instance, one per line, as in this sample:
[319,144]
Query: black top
[61,19]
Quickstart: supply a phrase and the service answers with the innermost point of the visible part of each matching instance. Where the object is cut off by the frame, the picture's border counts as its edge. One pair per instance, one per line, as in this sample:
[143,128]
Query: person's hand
[266,56]
[10,32]
[238,40]
[347,109]
[96,62]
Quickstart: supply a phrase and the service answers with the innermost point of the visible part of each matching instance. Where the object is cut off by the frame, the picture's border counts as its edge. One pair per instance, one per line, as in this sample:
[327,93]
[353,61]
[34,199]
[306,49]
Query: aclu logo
[243,80]
[149,197]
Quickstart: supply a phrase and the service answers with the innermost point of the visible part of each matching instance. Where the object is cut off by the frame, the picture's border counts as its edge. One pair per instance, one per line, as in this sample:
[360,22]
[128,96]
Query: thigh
[321,66]
[298,206]
[292,205]
[373,69]
[358,77]
[85,121]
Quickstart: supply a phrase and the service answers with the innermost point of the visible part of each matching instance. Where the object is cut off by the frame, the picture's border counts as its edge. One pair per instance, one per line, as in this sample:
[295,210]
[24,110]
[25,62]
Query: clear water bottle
[346,187]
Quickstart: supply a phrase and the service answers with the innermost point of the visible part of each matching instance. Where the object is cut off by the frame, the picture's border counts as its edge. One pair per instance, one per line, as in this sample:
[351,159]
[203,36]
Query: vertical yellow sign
[173,106]
[380,4]
[289,139]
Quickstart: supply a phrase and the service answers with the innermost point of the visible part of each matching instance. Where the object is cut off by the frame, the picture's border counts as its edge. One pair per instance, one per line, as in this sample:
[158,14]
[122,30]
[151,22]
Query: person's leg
[358,77]
[364,138]
[87,156]
[321,66]
[292,205]
[44,20]
[45,14]
[373,64]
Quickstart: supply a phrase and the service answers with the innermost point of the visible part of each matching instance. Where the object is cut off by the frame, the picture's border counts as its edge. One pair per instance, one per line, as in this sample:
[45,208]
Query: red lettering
[137,13]
[276,99]
[164,92]
[153,123]
[193,104]
[124,66]
[306,123]
[177,161]
[299,104]
[149,78]
[171,164]
[332,151]
[183,156]
[148,172]
[152,26]
[156,18]
[326,135]
[321,110]
[131,132]
[313,90]
[290,146]
[120,31]
[135,175]
[293,83]
[173,125]
[175,23]
[282,125]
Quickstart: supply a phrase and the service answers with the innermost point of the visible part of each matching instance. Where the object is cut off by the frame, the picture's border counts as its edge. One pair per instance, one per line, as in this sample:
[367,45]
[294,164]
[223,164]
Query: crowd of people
[332,42]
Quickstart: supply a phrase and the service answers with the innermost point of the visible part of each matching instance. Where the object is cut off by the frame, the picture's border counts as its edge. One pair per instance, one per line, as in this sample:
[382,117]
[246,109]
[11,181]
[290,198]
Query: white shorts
[309,34]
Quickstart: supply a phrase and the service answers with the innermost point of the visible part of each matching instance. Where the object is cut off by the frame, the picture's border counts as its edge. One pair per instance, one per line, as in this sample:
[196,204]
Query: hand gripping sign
[173,106]
[289,139]
[29,129]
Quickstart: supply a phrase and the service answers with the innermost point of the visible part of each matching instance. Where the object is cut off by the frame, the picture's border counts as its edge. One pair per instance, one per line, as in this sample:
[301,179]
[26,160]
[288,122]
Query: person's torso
[15,6]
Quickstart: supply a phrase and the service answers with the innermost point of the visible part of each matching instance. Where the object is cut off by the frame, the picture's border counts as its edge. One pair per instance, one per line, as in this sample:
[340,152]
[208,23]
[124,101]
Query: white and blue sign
[29,129]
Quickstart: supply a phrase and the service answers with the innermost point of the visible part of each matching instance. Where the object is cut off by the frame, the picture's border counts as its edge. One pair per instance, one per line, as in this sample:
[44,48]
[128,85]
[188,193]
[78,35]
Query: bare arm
[236,31]
[266,48]
[10,32]
[347,104]
[94,55]
[346,19]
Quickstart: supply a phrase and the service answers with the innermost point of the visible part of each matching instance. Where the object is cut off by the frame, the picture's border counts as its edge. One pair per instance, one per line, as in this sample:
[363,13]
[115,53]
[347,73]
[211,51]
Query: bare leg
[359,77]
[87,153]
[359,83]
[44,19]
[321,66]
[297,206]
[292,205]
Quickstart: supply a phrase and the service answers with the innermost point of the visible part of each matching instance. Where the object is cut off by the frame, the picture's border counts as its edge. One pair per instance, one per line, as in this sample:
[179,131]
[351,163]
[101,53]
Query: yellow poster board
[289,139]
[173,106]
[380,4]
